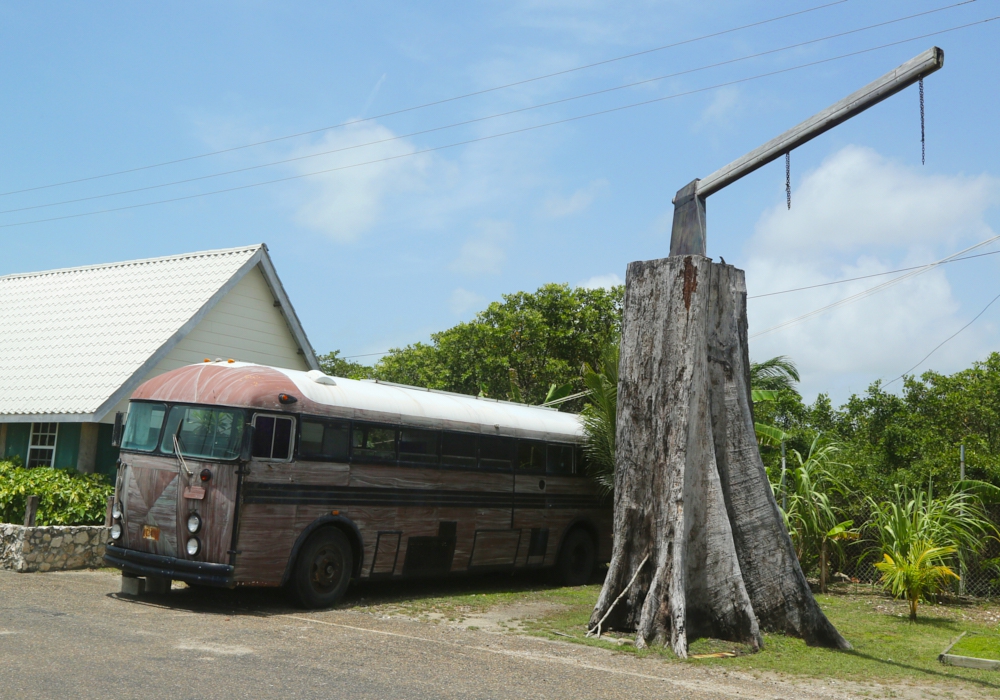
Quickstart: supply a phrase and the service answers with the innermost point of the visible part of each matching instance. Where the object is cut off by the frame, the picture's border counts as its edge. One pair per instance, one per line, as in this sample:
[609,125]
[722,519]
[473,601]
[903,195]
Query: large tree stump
[691,493]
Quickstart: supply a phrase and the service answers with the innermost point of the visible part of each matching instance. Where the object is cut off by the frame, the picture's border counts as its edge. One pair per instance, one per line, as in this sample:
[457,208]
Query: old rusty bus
[234,474]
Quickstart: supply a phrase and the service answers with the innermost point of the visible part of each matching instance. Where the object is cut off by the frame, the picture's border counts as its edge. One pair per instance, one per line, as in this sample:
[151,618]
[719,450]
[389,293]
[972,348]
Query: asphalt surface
[70,635]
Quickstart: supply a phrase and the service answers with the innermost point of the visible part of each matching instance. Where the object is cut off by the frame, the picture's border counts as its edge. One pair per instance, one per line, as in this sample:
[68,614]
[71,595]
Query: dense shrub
[65,496]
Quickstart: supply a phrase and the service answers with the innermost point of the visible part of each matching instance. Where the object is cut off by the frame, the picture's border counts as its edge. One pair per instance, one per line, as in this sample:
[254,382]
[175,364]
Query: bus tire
[323,568]
[577,558]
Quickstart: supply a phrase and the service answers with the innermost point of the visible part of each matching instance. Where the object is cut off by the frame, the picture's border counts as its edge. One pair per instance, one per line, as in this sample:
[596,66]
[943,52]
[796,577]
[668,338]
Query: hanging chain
[923,145]
[788,179]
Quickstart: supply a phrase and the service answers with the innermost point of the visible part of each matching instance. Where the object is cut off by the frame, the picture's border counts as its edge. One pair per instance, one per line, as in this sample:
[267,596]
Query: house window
[42,448]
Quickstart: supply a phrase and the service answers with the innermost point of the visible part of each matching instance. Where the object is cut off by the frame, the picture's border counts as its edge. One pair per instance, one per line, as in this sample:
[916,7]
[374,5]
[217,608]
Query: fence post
[961,477]
[30,510]
[109,506]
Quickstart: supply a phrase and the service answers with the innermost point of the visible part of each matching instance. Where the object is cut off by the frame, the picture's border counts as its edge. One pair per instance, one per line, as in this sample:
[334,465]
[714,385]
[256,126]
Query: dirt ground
[467,638]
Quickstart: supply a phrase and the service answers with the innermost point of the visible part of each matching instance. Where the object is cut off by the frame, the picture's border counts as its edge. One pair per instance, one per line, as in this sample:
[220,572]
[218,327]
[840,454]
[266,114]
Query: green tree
[515,348]
[913,518]
[336,366]
[814,521]
[772,381]
[918,536]
[903,438]
[919,573]
[775,374]
[599,416]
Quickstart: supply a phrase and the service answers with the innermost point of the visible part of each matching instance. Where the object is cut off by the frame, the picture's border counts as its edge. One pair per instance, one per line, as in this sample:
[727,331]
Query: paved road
[69,635]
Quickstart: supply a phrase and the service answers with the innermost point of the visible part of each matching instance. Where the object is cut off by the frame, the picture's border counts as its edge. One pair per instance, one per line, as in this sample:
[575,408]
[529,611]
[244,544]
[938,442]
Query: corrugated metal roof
[448,408]
[71,338]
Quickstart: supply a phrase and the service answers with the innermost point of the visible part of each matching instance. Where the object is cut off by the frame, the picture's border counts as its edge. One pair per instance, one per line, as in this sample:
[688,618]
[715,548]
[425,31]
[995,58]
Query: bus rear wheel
[577,558]
[323,569]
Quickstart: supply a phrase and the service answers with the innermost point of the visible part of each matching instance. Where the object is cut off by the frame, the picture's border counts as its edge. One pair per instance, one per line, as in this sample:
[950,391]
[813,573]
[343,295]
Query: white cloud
[558,207]
[345,203]
[462,300]
[483,254]
[602,282]
[858,200]
[860,214]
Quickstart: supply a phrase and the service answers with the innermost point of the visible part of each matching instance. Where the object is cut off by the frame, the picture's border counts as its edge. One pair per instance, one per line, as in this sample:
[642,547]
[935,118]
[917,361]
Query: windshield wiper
[177,451]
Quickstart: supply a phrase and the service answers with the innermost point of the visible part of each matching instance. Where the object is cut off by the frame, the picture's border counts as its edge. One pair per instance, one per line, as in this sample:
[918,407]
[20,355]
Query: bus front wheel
[323,568]
[577,558]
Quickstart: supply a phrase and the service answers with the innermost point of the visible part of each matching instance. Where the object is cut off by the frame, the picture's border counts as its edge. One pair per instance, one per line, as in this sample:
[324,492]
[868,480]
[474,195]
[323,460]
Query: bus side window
[579,461]
[531,456]
[272,438]
[324,441]
[459,449]
[373,442]
[420,446]
[496,452]
[559,460]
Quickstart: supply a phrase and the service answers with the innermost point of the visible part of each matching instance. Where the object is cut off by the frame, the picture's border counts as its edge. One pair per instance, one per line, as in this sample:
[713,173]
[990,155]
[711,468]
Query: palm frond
[774,374]
[599,417]
[769,435]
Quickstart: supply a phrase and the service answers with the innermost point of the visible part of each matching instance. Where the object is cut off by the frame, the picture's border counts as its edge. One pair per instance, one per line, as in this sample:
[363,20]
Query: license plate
[150,533]
[196,493]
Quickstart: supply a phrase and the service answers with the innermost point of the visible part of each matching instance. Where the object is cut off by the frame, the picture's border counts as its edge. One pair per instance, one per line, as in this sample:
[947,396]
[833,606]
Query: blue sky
[381,255]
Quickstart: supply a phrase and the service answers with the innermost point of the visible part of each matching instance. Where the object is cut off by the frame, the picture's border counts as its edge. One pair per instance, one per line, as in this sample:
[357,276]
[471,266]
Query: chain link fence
[979,577]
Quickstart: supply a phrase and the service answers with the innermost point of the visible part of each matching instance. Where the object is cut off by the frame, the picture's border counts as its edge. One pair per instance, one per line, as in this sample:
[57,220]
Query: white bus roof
[376,400]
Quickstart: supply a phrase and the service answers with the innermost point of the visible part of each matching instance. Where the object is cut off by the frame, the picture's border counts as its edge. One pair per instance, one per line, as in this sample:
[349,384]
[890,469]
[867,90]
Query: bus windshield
[204,433]
[142,429]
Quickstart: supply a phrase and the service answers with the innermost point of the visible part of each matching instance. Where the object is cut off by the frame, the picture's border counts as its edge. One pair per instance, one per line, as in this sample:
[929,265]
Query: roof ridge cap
[140,261]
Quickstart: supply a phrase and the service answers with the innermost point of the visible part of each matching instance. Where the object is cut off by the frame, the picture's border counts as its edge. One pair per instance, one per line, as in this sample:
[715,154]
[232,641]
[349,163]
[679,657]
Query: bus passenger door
[530,484]
[266,523]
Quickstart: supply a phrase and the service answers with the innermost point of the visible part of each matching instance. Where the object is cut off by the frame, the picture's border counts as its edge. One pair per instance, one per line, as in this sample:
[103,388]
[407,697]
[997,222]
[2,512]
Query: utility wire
[877,274]
[870,290]
[494,136]
[436,102]
[943,342]
[944,261]
[489,117]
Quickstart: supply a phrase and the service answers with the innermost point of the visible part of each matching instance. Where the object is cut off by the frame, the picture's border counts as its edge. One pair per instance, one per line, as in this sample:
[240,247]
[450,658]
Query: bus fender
[345,524]
[584,523]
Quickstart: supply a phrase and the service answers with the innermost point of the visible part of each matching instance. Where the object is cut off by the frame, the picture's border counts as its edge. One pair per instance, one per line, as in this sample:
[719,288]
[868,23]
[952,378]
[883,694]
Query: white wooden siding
[245,326]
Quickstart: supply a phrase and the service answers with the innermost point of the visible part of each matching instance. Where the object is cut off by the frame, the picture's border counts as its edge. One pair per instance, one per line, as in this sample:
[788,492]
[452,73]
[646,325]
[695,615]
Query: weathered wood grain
[781,597]
[688,488]
[870,95]
[266,536]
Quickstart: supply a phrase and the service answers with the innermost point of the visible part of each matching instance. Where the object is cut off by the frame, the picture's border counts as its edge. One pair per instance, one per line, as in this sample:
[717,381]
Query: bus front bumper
[145,564]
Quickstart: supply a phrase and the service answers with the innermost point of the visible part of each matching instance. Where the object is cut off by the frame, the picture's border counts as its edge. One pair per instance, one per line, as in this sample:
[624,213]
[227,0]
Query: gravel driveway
[70,635]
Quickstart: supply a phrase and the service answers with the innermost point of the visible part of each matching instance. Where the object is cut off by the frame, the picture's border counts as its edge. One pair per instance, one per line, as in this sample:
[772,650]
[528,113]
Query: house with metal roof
[76,342]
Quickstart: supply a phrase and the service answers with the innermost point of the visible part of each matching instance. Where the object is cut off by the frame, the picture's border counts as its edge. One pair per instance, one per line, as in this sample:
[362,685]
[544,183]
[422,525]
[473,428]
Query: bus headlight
[116,531]
[193,523]
[193,546]
[116,510]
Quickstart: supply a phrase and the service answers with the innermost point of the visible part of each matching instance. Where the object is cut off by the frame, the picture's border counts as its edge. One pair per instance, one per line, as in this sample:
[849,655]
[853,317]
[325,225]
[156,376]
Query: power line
[870,290]
[943,261]
[434,103]
[877,274]
[944,341]
[493,136]
[486,118]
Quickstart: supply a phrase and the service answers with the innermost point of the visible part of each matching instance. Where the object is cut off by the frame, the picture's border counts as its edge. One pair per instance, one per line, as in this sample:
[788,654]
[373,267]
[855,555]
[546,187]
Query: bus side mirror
[116,434]
[246,449]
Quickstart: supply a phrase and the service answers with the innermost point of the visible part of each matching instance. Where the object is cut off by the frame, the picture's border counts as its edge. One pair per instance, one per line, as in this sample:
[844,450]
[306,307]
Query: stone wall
[52,548]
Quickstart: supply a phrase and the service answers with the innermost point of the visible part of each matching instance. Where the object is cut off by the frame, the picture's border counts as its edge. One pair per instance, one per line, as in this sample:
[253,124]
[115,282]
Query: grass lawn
[888,647]
[980,646]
